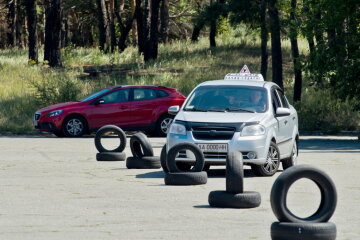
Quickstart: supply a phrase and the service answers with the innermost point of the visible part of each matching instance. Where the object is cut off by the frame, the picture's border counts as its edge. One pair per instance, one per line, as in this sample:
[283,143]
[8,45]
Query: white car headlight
[54,113]
[177,129]
[253,130]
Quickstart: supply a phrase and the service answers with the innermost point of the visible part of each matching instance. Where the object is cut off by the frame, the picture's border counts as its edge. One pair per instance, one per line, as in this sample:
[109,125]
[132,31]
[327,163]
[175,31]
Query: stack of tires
[143,155]
[234,196]
[176,176]
[115,154]
[314,227]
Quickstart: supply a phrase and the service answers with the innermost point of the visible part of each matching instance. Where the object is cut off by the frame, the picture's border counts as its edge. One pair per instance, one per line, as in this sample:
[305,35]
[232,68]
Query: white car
[242,113]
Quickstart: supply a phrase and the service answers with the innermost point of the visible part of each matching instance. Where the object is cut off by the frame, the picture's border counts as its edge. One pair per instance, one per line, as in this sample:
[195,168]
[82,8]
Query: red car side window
[144,94]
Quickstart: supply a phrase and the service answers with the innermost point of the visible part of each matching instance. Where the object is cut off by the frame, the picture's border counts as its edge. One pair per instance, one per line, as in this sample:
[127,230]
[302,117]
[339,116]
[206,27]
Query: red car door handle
[123,107]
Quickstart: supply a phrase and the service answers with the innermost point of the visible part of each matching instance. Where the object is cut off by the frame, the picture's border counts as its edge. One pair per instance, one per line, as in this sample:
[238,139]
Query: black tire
[111,156]
[160,128]
[163,159]
[59,134]
[106,129]
[206,167]
[171,156]
[234,173]
[140,145]
[223,199]
[185,178]
[292,160]
[272,163]
[303,231]
[181,166]
[287,178]
[74,126]
[143,163]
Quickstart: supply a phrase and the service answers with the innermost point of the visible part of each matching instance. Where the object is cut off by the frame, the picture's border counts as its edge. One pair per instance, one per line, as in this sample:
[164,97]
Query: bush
[55,88]
[320,110]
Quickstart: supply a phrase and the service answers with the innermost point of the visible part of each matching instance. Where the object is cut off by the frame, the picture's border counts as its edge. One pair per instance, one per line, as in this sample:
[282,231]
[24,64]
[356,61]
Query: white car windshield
[228,99]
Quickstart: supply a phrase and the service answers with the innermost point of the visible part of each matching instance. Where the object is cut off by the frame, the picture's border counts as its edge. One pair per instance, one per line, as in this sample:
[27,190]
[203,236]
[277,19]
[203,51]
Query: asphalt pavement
[53,188]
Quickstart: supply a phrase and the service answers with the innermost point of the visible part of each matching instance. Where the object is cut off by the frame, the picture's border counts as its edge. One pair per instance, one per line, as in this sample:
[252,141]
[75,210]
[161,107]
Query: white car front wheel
[272,163]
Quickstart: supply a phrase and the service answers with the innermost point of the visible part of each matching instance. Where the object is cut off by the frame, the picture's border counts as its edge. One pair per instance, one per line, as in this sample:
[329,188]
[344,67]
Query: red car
[129,107]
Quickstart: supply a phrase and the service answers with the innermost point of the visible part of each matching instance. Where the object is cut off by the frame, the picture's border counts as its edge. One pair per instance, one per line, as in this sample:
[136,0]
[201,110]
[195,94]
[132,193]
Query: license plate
[35,123]
[213,147]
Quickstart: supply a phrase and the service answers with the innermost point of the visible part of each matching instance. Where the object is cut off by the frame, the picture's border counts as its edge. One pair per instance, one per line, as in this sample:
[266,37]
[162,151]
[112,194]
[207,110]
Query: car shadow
[330,145]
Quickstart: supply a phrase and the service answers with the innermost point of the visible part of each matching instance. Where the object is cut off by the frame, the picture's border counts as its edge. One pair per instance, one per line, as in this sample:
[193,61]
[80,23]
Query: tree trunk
[20,41]
[101,26]
[196,32]
[295,53]
[139,14]
[106,25]
[32,30]
[53,33]
[264,39]
[318,31]
[133,25]
[48,32]
[152,46]
[124,28]
[164,27]
[111,14]
[64,31]
[309,30]
[276,53]
[212,34]
[13,18]
[146,21]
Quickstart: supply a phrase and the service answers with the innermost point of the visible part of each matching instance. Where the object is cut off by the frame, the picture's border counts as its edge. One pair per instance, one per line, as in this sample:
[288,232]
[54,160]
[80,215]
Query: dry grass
[181,64]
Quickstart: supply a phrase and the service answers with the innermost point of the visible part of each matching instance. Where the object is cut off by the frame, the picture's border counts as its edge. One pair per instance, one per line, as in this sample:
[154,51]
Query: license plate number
[213,147]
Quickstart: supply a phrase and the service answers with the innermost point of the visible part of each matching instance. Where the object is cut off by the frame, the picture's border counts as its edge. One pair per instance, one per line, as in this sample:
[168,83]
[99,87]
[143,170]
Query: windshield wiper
[216,110]
[233,109]
[196,110]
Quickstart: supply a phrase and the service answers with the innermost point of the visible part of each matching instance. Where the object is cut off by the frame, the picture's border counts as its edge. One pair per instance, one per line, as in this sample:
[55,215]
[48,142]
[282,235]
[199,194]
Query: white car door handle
[286,122]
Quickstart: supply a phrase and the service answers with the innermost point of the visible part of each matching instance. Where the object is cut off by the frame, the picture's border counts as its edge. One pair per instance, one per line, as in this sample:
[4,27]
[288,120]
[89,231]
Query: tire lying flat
[303,231]
[110,156]
[106,129]
[223,199]
[140,145]
[152,162]
[281,187]
[185,178]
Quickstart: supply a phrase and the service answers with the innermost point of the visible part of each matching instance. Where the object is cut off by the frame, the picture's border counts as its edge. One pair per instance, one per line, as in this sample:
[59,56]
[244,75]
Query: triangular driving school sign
[245,70]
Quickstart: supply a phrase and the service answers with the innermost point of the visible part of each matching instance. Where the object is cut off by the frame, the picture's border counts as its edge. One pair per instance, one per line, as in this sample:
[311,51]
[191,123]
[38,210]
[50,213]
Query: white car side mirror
[282,112]
[173,110]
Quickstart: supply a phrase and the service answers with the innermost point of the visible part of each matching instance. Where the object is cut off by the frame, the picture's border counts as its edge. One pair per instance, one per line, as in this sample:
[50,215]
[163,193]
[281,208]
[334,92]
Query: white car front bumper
[243,145]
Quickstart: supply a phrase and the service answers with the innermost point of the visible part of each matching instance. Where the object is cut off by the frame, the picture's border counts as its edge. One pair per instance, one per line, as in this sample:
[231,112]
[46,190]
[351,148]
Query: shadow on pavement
[202,206]
[157,174]
[338,145]
[212,173]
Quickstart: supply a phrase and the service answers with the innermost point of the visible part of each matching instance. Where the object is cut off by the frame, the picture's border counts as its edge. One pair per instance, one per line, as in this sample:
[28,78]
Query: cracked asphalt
[53,188]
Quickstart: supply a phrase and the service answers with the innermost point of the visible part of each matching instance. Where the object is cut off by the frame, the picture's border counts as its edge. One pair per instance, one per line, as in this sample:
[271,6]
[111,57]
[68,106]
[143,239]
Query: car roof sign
[246,77]
[245,70]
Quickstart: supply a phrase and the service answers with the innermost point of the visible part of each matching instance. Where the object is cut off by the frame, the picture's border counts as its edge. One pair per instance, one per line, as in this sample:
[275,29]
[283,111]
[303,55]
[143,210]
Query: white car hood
[219,117]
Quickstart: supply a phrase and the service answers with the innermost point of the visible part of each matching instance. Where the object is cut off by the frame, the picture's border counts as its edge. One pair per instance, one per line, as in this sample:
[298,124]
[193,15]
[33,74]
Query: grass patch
[181,64]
